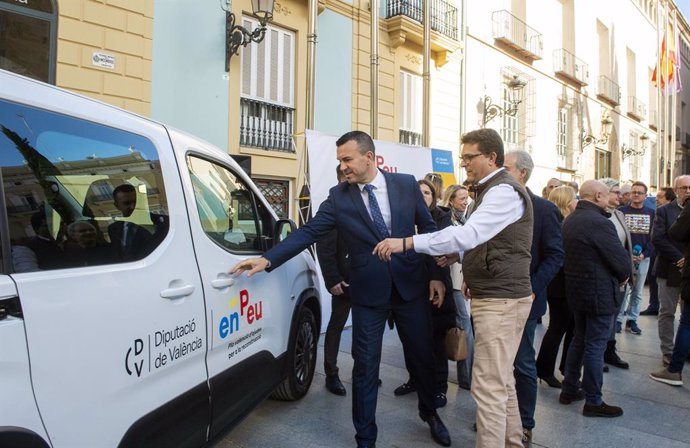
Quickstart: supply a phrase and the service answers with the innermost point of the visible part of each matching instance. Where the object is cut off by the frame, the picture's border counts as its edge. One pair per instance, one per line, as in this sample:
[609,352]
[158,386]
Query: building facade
[568,81]
[588,108]
[96,48]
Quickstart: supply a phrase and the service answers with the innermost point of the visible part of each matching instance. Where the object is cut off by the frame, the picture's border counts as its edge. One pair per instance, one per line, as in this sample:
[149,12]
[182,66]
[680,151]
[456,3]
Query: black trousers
[560,327]
[340,310]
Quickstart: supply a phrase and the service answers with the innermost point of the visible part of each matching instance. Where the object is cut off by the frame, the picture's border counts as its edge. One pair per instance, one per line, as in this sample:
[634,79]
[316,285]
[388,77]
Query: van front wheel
[301,359]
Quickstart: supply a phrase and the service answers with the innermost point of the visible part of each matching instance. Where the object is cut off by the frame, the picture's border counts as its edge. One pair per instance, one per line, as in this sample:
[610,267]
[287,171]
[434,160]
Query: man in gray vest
[496,241]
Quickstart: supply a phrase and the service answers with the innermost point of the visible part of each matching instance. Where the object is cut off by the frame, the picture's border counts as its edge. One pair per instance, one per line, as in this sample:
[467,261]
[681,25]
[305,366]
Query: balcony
[410,137]
[266,125]
[515,34]
[565,64]
[444,16]
[636,108]
[609,91]
[404,19]
[686,141]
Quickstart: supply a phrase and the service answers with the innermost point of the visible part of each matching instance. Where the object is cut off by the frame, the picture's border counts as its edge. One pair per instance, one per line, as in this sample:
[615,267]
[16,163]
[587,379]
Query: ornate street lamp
[627,151]
[587,139]
[491,110]
[237,36]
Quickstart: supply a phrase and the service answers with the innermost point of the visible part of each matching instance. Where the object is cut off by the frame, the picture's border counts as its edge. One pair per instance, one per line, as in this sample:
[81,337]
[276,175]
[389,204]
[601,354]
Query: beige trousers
[498,327]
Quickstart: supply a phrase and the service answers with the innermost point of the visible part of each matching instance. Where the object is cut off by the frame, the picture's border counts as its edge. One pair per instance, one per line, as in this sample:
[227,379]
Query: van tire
[301,359]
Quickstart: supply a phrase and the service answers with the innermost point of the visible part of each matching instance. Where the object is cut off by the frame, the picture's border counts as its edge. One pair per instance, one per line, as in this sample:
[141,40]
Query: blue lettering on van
[229,324]
[251,312]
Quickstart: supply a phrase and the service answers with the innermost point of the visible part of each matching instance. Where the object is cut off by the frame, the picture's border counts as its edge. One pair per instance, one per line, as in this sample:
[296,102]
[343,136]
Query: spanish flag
[670,64]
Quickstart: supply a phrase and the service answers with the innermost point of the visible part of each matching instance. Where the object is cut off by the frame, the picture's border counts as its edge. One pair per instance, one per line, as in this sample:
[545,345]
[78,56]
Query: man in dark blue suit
[366,209]
[668,265]
[547,259]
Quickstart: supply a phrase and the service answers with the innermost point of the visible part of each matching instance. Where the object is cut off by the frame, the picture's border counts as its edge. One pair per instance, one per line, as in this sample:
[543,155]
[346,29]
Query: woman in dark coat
[444,316]
[560,317]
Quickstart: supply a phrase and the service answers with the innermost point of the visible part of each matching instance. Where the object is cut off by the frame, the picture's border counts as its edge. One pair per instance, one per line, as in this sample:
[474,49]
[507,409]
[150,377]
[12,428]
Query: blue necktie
[376,215]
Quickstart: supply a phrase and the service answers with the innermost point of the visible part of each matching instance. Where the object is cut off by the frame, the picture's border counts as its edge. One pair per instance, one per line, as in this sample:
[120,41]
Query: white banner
[391,157]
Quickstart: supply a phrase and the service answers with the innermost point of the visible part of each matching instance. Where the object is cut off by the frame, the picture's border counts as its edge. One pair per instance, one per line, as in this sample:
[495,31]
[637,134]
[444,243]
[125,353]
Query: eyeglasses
[637,192]
[615,192]
[467,158]
[686,188]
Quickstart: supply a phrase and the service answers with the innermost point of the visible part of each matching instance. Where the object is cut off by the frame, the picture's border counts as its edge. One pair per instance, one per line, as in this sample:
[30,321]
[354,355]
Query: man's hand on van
[252,265]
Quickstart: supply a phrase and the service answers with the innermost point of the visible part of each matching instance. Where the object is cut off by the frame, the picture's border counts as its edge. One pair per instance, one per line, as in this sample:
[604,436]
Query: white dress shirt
[381,193]
[500,207]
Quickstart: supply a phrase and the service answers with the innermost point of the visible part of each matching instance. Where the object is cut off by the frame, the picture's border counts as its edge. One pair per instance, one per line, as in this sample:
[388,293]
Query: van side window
[78,193]
[227,209]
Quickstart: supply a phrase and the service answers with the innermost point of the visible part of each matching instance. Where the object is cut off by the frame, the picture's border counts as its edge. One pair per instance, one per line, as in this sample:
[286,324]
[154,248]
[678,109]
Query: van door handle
[174,293]
[221,283]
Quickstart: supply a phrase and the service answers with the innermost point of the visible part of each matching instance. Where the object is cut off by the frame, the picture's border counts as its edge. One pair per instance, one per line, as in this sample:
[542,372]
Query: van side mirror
[283,229]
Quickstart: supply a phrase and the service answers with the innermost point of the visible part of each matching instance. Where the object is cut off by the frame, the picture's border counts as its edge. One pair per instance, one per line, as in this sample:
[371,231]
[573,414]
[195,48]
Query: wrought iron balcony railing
[410,137]
[444,16]
[566,64]
[266,125]
[609,90]
[515,33]
[636,108]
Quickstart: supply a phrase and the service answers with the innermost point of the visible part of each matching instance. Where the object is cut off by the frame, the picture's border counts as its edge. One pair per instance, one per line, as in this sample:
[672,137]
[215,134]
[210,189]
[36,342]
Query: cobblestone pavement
[656,415]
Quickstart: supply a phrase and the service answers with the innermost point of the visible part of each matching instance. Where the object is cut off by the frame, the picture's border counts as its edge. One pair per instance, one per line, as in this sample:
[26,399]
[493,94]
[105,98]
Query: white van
[119,323]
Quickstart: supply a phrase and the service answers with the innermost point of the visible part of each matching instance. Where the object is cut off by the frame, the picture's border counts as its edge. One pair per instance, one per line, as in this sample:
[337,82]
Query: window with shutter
[267,96]
[410,109]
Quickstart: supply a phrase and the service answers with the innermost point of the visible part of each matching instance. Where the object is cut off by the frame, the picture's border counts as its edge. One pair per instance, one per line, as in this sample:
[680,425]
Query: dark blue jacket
[680,232]
[547,251]
[371,280]
[668,251]
[333,260]
[595,261]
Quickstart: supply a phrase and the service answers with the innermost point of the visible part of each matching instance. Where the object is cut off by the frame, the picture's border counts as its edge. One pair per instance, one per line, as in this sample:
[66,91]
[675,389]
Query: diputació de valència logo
[163,347]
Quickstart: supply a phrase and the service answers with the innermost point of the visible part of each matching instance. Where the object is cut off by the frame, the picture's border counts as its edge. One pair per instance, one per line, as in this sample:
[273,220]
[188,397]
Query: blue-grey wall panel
[333,91]
[189,91]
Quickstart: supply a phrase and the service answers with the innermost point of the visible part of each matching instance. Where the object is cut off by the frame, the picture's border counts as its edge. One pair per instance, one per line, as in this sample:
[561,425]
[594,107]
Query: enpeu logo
[249,312]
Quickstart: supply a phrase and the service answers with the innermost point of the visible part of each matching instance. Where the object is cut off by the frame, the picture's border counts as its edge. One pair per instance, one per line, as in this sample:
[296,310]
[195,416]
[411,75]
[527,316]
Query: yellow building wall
[119,28]
[290,15]
[393,57]
[361,81]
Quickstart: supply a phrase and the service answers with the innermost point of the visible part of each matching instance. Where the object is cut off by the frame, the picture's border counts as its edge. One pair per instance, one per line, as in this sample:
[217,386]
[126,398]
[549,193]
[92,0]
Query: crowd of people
[491,257]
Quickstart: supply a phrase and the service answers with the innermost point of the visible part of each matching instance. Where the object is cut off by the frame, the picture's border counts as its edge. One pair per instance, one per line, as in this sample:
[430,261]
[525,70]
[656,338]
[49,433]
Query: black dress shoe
[606,368]
[335,386]
[551,380]
[366,445]
[603,410]
[566,398]
[438,430]
[615,360]
[649,312]
[404,389]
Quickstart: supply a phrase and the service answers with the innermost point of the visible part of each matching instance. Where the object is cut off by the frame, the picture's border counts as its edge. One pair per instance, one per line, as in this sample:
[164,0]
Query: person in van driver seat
[83,246]
[40,251]
[129,240]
